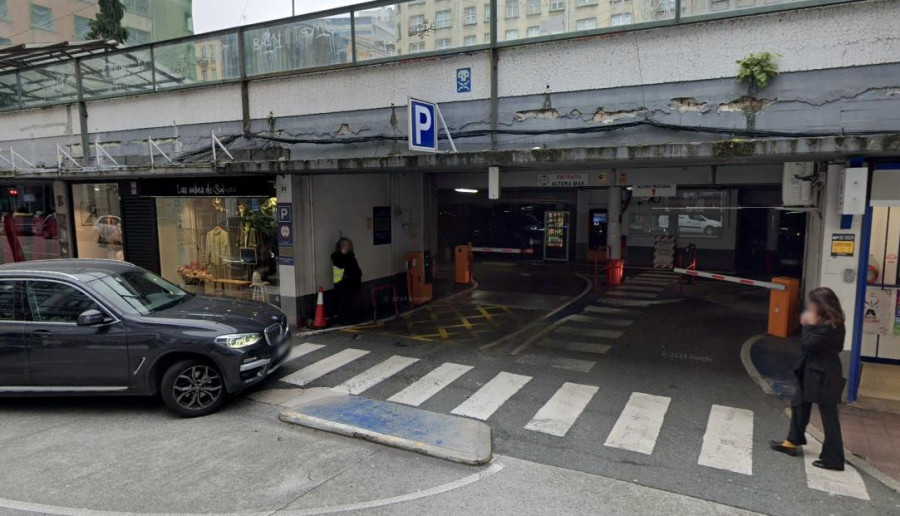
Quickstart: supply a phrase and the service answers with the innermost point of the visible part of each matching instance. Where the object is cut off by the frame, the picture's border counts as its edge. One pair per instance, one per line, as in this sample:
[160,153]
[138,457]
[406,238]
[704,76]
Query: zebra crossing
[727,443]
[596,329]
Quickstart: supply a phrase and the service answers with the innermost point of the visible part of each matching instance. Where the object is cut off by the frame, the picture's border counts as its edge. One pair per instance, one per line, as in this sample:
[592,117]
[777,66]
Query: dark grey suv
[107,327]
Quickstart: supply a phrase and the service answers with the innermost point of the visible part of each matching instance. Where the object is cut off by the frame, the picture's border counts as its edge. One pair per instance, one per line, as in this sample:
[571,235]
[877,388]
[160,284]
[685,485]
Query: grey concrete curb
[855,460]
[476,433]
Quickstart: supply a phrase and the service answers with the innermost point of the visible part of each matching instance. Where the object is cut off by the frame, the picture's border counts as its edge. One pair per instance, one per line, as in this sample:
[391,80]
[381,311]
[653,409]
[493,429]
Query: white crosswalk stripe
[626,293]
[609,310]
[430,384]
[639,423]
[588,332]
[728,441]
[623,302]
[582,347]
[641,288]
[303,349]
[375,375]
[561,411]
[846,483]
[600,319]
[491,396]
[322,367]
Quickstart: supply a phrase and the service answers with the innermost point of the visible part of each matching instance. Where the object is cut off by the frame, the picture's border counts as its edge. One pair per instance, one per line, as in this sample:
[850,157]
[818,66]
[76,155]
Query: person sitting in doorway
[347,280]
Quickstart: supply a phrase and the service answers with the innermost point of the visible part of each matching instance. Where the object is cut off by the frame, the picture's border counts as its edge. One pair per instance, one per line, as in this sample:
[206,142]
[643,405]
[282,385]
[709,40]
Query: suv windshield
[142,292]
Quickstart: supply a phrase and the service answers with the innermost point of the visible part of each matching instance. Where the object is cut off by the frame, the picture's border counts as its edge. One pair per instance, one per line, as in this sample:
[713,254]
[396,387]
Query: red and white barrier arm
[502,250]
[731,279]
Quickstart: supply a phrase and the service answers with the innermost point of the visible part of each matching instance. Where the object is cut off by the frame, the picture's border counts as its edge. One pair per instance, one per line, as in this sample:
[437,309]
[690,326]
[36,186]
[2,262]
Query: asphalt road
[80,456]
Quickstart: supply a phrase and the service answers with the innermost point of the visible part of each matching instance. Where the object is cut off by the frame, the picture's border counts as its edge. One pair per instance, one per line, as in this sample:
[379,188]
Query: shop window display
[220,245]
[98,221]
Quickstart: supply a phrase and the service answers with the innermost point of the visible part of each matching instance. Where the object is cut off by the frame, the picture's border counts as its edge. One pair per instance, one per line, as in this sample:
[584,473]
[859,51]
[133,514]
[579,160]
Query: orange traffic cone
[320,322]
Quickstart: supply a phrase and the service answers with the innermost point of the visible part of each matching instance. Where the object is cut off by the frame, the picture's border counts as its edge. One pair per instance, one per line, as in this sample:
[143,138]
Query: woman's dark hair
[337,246]
[828,305]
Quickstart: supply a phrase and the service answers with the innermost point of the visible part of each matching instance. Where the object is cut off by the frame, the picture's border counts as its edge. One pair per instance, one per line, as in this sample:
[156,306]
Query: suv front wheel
[191,388]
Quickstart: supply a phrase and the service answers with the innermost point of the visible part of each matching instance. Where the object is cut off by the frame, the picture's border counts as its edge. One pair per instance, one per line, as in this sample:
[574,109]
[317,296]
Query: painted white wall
[203,105]
[370,87]
[48,122]
[809,39]
[829,271]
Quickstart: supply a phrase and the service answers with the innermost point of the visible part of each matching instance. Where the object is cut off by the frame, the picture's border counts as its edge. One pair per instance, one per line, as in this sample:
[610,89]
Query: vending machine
[556,235]
[597,227]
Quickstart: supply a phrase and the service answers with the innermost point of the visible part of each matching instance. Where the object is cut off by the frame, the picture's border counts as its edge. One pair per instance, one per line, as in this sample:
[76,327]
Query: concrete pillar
[614,241]
[293,273]
[773,221]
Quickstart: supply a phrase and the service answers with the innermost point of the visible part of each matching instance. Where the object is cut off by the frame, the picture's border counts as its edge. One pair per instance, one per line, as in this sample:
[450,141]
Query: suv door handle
[42,333]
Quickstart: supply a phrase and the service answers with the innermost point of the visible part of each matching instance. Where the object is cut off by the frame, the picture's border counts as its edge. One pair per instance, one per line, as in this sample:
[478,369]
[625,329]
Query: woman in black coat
[820,379]
[347,279]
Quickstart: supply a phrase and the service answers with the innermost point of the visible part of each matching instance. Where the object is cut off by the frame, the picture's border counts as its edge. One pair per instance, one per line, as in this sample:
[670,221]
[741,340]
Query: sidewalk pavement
[873,435]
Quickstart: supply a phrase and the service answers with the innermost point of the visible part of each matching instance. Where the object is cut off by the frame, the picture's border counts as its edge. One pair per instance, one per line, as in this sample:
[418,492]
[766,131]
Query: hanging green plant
[757,70]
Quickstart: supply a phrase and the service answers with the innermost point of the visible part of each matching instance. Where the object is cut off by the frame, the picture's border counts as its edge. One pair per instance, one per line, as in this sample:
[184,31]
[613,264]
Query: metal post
[245,84]
[82,117]
[678,11]
[153,67]
[353,36]
[495,90]
[19,89]
[859,311]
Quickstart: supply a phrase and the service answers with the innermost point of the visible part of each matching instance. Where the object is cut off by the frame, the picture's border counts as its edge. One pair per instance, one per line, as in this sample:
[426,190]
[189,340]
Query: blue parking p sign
[423,134]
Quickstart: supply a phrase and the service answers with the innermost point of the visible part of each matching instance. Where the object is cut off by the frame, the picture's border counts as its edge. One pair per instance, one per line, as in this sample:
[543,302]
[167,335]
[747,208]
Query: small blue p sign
[422,126]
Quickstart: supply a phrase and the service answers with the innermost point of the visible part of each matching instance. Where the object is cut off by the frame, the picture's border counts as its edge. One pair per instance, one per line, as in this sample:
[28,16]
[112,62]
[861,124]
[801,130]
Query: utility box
[784,307]
[418,278]
[463,256]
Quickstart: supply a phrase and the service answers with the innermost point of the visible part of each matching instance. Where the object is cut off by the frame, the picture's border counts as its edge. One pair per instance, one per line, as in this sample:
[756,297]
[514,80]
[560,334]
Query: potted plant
[194,274]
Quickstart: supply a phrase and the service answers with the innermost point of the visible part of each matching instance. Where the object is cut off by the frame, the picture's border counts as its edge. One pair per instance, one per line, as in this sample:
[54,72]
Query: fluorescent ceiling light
[466,190]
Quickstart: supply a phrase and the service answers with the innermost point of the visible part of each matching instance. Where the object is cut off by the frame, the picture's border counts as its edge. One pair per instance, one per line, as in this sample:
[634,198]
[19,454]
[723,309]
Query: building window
[442,44]
[416,47]
[138,37]
[557,5]
[470,40]
[188,22]
[586,24]
[534,7]
[138,7]
[583,3]
[470,16]
[443,19]
[620,19]
[4,10]
[83,27]
[512,8]
[487,37]
[487,13]
[417,23]
[41,17]
[534,31]
[512,34]
[718,5]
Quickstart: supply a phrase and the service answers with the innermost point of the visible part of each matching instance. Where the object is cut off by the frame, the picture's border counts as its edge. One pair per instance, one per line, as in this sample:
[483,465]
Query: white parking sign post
[423,128]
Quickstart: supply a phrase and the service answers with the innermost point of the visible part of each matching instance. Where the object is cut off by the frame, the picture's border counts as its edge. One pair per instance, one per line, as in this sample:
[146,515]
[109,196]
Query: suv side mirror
[91,318]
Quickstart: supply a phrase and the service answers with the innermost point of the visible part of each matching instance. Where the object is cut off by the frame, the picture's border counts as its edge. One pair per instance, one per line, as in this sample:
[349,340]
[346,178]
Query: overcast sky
[212,15]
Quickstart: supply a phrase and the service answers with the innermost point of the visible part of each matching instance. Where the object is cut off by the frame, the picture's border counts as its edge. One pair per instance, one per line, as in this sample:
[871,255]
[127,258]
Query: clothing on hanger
[218,246]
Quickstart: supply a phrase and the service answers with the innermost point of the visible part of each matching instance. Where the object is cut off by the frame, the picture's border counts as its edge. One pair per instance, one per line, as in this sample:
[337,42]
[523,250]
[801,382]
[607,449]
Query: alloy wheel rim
[197,387]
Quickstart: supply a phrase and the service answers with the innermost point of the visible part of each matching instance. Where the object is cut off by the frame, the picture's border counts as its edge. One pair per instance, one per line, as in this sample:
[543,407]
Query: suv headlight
[239,340]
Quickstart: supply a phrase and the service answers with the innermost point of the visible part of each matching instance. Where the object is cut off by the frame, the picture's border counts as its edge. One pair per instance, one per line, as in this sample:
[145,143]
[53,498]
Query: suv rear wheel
[191,388]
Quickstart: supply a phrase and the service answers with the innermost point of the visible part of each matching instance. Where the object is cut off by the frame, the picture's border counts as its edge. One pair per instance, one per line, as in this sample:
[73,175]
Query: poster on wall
[381,225]
[897,315]
[877,317]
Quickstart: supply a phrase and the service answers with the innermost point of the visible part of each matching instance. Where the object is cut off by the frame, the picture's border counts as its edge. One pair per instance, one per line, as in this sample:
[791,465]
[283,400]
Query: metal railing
[374,32]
